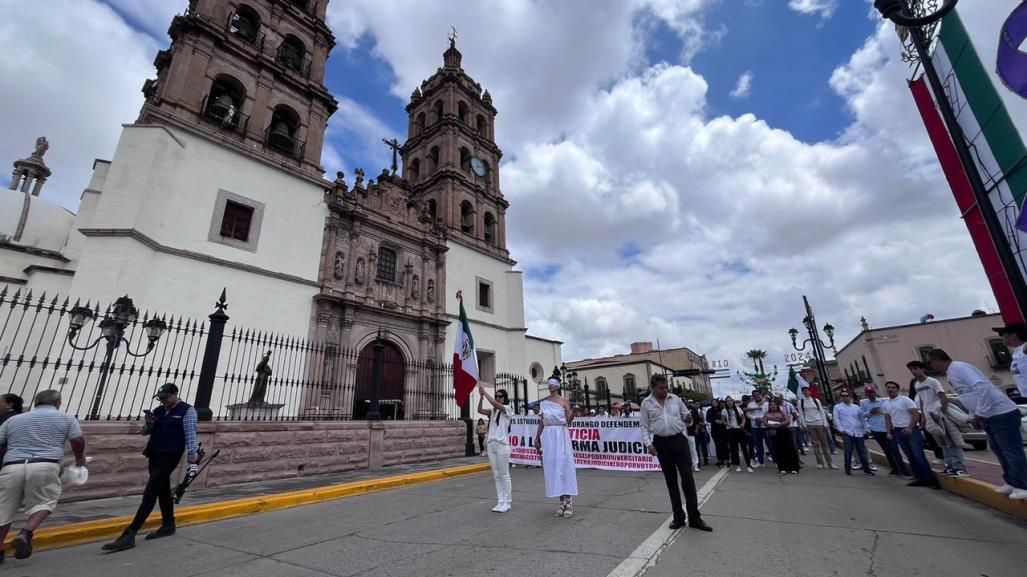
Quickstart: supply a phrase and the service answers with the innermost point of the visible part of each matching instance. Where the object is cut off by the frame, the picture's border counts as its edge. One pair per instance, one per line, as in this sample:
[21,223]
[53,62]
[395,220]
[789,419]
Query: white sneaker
[820,466]
[873,467]
[739,469]
[502,508]
[498,508]
[1005,490]
[749,469]
[1018,495]
[695,468]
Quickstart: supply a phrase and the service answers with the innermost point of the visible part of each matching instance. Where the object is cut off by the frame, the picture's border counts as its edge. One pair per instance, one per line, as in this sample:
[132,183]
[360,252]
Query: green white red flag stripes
[465,359]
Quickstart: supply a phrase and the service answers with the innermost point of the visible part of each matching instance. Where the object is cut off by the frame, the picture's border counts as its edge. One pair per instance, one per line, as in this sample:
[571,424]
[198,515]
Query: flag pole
[465,410]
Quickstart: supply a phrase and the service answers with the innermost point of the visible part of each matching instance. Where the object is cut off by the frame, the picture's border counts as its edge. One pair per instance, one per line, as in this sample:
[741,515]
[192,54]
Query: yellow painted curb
[76,533]
[979,491]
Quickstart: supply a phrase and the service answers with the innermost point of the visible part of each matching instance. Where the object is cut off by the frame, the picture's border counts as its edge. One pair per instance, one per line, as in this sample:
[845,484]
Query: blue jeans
[1007,444]
[913,447]
[860,446]
[759,441]
[891,451]
[952,452]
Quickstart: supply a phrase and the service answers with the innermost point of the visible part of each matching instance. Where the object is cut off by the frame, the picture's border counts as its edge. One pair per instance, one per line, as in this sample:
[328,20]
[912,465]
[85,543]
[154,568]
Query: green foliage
[690,395]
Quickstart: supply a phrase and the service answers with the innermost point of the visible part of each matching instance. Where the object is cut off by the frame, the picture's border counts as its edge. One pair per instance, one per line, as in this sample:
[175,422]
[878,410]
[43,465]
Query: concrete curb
[979,491]
[89,531]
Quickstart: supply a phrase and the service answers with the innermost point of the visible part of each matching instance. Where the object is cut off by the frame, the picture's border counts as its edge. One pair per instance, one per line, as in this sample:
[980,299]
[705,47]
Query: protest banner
[609,443]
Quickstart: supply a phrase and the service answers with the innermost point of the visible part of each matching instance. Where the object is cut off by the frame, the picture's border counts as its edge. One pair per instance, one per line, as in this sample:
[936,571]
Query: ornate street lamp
[816,344]
[112,332]
[898,11]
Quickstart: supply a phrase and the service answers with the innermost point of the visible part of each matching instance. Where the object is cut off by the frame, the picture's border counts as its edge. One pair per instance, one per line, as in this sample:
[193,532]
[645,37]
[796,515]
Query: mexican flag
[793,383]
[465,359]
[979,95]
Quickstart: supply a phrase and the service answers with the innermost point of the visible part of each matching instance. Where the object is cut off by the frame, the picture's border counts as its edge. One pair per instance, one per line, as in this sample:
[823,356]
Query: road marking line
[646,554]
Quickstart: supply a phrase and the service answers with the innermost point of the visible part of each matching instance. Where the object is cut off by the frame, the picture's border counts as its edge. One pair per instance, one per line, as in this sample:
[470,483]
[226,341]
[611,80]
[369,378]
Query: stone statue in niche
[415,287]
[339,270]
[361,271]
[42,145]
[431,290]
[263,375]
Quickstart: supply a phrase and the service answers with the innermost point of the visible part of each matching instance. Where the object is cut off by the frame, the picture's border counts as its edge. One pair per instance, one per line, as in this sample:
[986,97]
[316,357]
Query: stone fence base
[257,451]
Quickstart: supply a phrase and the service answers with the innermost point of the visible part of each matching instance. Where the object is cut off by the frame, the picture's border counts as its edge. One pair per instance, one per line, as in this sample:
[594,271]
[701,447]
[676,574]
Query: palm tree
[757,356]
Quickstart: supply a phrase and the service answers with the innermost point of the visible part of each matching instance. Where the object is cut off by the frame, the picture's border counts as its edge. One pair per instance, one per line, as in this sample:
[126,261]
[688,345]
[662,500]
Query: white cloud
[153,15]
[822,8]
[743,87]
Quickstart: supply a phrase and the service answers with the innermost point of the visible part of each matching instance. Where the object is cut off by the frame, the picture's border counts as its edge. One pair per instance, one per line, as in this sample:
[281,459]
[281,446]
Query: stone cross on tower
[395,146]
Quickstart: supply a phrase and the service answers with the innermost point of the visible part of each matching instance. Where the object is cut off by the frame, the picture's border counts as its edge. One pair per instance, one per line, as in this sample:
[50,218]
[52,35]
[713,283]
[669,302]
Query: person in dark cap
[1015,336]
[172,430]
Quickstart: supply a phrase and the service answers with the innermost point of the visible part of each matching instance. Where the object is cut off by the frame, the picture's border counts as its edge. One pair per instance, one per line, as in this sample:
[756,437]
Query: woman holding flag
[553,442]
[498,444]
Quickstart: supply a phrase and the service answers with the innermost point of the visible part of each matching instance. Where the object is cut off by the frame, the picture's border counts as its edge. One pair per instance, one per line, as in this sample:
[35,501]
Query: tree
[759,379]
[690,395]
[757,356]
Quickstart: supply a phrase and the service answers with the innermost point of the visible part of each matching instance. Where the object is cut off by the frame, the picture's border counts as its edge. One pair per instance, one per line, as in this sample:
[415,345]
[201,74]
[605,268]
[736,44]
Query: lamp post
[816,344]
[914,18]
[112,332]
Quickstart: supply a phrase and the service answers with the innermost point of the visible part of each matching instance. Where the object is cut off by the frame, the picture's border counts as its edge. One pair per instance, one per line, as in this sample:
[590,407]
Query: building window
[925,356]
[482,126]
[419,124]
[490,228]
[466,217]
[386,264]
[245,24]
[465,159]
[437,109]
[224,102]
[291,54]
[415,170]
[1000,357]
[461,111]
[433,208]
[538,374]
[236,221]
[433,159]
[630,391]
[281,134]
[485,296]
[601,385]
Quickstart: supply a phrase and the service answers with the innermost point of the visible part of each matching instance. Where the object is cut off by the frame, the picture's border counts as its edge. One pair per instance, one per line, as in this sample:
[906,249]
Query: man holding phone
[172,430]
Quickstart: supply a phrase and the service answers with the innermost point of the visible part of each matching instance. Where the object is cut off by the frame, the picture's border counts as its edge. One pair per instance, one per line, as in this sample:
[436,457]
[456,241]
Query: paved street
[816,523]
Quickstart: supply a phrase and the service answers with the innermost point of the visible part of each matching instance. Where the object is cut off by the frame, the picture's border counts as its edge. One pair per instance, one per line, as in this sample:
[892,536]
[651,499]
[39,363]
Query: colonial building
[627,376]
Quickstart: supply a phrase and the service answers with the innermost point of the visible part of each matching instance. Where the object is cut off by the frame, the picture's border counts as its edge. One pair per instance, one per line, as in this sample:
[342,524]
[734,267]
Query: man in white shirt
[850,423]
[902,424]
[813,417]
[663,418]
[933,404]
[754,411]
[998,415]
[1015,336]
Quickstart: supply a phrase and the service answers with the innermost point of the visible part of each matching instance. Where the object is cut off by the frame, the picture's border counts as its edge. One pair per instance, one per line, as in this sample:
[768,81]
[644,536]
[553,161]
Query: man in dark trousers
[663,418]
[172,430]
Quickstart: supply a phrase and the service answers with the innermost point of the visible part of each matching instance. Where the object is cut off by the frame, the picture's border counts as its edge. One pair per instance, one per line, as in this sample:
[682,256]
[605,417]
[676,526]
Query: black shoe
[868,472]
[676,524]
[162,531]
[848,472]
[936,487]
[700,525]
[124,543]
[22,545]
[2,555]
[917,484]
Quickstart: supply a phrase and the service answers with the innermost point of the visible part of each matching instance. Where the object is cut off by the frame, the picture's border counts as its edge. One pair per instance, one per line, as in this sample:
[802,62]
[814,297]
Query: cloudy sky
[681,170]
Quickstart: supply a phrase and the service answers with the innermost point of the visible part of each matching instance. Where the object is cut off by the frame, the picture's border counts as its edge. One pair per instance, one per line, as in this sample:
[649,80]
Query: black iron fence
[107,361]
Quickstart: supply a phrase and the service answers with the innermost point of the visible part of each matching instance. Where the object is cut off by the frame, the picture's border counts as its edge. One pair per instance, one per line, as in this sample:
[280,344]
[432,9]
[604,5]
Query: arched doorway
[393,376]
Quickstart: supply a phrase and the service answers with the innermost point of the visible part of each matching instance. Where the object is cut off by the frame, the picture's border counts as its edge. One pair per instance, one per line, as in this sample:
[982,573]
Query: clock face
[478,166]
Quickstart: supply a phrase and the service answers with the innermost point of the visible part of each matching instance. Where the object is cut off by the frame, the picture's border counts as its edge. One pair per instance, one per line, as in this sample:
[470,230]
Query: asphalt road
[816,523]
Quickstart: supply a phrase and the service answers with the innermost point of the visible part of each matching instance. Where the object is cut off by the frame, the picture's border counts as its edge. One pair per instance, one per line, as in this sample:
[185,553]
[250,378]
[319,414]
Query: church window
[419,124]
[224,102]
[245,24]
[538,374]
[433,208]
[630,390]
[433,159]
[465,159]
[236,222]
[484,294]
[437,109]
[461,111]
[386,264]
[415,169]
[601,386]
[291,52]
[490,228]
[282,131]
[482,125]
[466,217]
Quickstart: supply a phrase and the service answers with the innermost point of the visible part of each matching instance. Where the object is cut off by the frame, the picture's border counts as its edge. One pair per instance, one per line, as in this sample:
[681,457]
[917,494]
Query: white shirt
[1019,369]
[811,412]
[927,393]
[733,420]
[792,412]
[499,427]
[756,411]
[665,420]
[976,392]
[898,409]
[847,419]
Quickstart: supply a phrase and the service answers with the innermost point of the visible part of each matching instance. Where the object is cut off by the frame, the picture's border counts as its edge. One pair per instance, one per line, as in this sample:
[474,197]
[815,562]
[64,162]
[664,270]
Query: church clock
[478,166]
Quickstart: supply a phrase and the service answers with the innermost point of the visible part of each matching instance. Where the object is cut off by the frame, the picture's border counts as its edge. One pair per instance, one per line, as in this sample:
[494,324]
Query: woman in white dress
[553,442]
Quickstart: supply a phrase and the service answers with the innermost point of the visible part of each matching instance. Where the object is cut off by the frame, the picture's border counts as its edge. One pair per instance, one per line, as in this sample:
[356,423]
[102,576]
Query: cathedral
[219,184]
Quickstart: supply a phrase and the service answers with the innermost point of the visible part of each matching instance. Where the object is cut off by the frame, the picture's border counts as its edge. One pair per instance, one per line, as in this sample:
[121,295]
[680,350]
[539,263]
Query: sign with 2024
[610,443]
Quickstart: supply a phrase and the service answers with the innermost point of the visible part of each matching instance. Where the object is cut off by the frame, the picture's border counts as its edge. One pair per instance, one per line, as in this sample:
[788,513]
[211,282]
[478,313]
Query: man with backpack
[813,418]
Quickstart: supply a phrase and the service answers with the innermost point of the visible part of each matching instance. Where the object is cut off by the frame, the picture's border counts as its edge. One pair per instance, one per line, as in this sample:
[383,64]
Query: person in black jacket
[172,430]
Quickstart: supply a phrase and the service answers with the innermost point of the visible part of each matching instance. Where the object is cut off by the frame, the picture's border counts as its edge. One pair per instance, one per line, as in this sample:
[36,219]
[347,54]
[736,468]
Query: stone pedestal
[253,411]
[376,445]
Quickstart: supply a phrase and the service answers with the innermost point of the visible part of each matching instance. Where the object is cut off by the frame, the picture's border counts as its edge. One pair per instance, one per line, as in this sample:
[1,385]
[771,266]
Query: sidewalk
[83,521]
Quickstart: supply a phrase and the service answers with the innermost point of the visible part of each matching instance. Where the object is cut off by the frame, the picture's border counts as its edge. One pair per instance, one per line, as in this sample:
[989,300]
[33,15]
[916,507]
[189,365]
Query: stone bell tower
[248,75]
[451,159]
